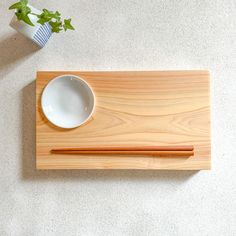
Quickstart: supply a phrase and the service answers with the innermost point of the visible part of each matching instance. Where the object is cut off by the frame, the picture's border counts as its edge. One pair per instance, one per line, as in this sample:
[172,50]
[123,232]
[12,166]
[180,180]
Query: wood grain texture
[158,108]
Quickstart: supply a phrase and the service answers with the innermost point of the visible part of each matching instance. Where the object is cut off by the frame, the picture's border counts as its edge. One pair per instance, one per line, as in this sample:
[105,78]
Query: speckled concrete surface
[119,35]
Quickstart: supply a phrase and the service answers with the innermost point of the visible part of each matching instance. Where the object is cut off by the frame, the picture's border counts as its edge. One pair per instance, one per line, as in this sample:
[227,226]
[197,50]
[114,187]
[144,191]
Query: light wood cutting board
[133,108]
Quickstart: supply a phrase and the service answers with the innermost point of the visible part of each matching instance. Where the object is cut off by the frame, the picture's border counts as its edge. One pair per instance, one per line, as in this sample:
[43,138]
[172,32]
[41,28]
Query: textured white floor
[119,35]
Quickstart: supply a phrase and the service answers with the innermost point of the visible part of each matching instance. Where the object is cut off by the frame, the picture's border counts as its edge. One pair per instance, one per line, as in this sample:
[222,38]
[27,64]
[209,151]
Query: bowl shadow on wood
[28,163]
[15,47]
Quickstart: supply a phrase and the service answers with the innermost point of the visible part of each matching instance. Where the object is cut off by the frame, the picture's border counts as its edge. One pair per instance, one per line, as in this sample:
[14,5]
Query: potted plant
[35,24]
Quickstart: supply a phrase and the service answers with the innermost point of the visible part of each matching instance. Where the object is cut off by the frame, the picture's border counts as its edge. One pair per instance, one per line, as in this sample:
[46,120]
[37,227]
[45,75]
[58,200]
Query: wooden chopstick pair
[178,151]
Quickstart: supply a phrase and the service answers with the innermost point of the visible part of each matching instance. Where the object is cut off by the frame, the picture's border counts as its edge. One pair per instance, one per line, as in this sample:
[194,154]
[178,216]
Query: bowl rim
[78,78]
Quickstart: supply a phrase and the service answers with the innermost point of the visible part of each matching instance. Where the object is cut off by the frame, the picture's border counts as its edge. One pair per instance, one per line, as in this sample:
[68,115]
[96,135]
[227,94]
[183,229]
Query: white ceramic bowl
[68,101]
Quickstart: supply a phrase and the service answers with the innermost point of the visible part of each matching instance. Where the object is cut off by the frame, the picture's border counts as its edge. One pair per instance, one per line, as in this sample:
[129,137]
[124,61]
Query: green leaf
[19,5]
[18,15]
[46,16]
[57,15]
[15,6]
[51,14]
[46,12]
[24,2]
[43,19]
[22,11]
[27,20]
[27,10]
[67,25]
[56,26]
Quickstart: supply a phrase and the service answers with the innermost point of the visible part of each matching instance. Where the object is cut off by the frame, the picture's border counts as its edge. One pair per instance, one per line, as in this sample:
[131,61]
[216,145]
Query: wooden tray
[133,108]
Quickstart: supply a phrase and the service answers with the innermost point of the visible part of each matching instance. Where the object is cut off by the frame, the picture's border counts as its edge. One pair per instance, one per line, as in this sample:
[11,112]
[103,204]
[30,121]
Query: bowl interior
[68,101]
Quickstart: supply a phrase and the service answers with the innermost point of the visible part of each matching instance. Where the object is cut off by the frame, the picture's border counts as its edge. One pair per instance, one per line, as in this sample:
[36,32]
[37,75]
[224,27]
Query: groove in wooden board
[127,148]
[113,154]
[141,108]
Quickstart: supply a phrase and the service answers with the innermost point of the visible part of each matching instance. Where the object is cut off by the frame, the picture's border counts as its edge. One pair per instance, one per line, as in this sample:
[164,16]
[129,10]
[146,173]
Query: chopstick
[132,150]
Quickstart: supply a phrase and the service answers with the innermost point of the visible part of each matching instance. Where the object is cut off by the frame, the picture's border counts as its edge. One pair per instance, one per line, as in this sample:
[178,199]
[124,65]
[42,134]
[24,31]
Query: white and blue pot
[38,33]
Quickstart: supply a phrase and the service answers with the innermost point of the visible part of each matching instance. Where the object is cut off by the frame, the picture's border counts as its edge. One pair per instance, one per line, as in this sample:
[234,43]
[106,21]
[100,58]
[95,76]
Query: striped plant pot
[38,33]
[42,35]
